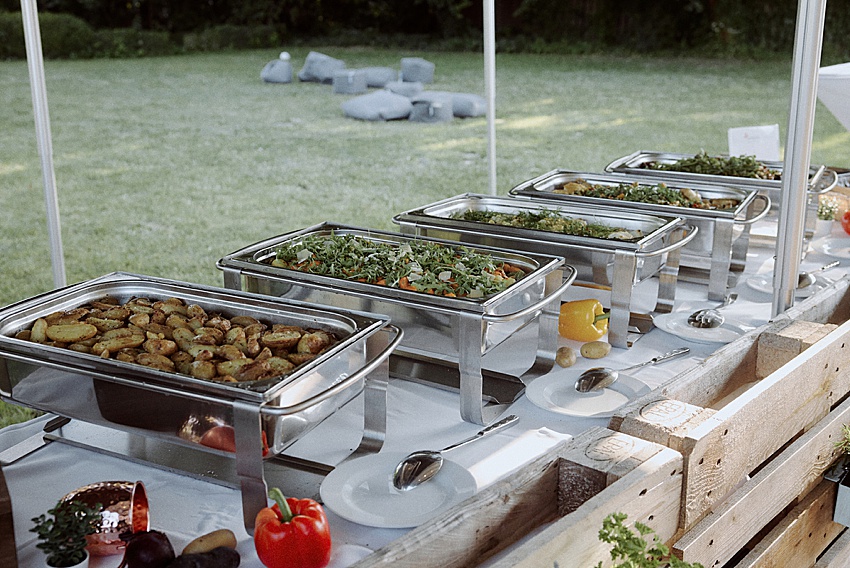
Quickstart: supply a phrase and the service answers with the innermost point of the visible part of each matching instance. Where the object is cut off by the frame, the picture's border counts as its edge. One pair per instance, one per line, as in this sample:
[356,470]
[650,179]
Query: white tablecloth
[834,91]
[419,417]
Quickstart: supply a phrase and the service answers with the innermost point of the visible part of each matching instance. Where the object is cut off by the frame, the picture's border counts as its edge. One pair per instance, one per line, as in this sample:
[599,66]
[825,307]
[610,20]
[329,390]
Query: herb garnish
[702,163]
[547,220]
[415,265]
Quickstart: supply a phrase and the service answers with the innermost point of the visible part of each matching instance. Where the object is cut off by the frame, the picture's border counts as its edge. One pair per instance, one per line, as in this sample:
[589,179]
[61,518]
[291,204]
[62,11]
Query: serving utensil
[600,377]
[806,279]
[422,465]
[711,317]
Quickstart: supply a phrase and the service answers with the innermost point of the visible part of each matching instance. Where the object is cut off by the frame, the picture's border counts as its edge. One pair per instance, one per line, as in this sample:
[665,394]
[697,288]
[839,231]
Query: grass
[164,165]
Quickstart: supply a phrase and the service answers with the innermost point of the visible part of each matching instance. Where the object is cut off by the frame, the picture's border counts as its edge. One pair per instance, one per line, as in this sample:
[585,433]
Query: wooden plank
[557,482]
[831,304]
[8,553]
[801,537]
[650,493]
[720,449]
[838,553]
[775,348]
[792,473]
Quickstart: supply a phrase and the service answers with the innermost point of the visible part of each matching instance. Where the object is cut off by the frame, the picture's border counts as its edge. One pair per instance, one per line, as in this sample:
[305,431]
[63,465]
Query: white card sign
[759,141]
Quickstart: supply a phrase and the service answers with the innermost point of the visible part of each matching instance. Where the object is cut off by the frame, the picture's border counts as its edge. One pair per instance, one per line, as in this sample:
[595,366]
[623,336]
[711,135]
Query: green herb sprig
[63,533]
[547,220]
[734,166]
[632,550]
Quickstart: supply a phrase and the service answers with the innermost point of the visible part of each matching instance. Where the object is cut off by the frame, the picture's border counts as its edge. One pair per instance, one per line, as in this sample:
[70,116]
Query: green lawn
[164,165]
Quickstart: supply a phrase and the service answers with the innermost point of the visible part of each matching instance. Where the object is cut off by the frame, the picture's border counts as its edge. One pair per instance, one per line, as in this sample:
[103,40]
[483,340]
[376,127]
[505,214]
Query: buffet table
[419,417]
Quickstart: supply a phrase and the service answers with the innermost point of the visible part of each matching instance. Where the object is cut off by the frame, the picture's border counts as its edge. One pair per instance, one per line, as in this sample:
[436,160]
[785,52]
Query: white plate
[764,283]
[361,490]
[837,247]
[556,393]
[677,324]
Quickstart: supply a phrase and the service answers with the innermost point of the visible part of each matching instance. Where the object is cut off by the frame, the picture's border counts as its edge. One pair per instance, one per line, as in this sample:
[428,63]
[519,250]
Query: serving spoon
[422,465]
[806,279]
[711,317]
[598,378]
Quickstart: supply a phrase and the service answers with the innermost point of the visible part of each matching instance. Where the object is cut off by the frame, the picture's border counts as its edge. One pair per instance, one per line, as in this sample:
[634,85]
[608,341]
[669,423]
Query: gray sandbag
[320,68]
[436,108]
[379,105]
[378,77]
[464,105]
[349,82]
[277,71]
[408,89]
[417,69]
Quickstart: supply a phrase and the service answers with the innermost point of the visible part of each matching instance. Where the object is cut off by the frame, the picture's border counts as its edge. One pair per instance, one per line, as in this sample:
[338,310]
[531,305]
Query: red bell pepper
[292,533]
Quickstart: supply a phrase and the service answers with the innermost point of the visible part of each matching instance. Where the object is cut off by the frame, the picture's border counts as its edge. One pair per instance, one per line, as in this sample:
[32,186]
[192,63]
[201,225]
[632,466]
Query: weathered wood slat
[792,473]
[651,494]
[721,447]
[838,553]
[800,538]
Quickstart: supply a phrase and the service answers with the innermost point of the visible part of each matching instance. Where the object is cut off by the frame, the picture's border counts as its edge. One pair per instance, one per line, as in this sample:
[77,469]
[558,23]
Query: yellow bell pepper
[582,320]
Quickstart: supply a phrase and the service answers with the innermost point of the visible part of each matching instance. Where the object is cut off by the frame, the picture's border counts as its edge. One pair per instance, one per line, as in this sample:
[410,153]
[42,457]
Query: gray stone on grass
[417,69]
[380,105]
[378,77]
[408,89]
[349,82]
[464,105]
[436,108]
[277,71]
[320,68]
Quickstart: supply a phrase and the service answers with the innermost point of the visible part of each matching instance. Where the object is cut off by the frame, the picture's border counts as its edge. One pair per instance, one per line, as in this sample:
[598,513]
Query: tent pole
[35,61]
[490,88]
[798,150]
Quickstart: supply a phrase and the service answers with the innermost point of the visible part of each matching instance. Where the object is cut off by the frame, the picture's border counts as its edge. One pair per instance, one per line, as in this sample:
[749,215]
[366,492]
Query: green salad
[420,266]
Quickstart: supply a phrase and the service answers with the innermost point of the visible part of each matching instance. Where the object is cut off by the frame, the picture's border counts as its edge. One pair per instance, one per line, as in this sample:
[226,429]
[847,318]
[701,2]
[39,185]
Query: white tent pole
[798,150]
[490,87]
[35,61]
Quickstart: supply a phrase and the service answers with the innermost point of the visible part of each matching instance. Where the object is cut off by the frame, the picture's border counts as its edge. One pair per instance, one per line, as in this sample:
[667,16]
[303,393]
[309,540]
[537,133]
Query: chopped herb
[548,220]
[702,163]
[420,266]
[658,194]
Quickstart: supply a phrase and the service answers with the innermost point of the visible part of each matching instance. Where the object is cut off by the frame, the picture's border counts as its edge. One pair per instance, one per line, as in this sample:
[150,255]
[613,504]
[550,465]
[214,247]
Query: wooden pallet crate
[551,510]
[782,515]
[732,414]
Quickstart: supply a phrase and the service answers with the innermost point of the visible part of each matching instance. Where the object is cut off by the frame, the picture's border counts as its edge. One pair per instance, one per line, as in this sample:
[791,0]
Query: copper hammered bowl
[124,509]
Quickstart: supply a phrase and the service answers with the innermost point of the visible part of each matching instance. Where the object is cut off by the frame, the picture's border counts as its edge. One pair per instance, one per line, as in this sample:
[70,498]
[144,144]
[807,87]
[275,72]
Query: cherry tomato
[845,222]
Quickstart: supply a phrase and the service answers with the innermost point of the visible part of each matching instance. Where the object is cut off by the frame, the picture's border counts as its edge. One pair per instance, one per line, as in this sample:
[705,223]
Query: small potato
[117,343]
[70,332]
[565,356]
[164,347]
[39,331]
[155,361]
[210,541]
[595,349]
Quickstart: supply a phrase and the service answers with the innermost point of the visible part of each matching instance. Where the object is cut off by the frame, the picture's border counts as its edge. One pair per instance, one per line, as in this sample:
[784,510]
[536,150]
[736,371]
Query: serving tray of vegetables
[607,246]
[723,214]
[454,302]
[742,171]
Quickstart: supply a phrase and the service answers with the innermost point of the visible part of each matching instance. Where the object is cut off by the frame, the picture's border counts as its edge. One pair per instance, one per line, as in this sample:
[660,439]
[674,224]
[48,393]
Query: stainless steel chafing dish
[716,256]
[159,404]
[820,180]
[617,263]
[444,338]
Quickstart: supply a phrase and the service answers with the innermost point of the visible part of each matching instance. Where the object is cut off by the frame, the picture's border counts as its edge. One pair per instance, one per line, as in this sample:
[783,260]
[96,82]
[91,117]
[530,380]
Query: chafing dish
[143,400]
[618,263]
[444,338]
[820,180]
[716,256]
